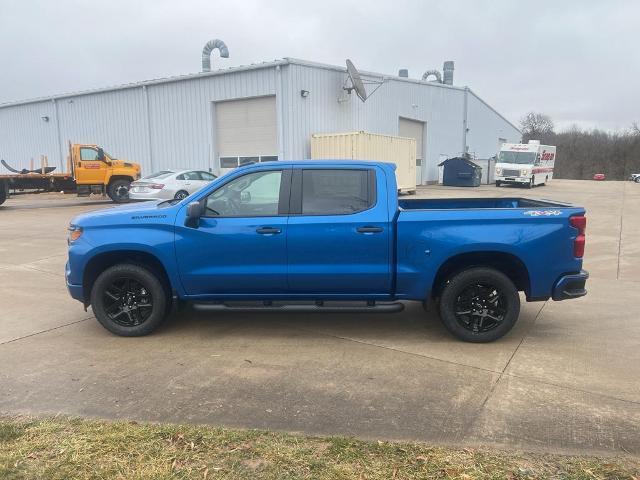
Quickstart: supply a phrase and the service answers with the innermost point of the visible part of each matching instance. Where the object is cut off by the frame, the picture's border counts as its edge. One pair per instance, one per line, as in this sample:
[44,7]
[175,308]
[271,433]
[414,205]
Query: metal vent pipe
[435,73]
[209,47]
[447,70]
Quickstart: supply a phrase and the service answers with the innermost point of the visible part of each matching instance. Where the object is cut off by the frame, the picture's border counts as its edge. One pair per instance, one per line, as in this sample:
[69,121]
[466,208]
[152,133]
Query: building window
[245,160]
[228,162]
[268,158]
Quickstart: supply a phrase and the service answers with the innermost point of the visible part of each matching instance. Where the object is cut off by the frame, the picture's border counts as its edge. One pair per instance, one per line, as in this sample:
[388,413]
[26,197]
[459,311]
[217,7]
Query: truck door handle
[268,230]
[369,229]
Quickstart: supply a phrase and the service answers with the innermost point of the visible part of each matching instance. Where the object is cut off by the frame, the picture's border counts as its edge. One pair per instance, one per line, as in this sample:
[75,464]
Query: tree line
[582,153]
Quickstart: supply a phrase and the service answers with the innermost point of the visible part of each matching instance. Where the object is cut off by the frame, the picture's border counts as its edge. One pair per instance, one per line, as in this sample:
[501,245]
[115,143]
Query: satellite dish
[356,81]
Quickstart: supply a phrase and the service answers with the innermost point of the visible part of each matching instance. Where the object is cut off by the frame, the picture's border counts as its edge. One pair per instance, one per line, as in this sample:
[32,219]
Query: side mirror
[245,196]
[194,212]
[100,154]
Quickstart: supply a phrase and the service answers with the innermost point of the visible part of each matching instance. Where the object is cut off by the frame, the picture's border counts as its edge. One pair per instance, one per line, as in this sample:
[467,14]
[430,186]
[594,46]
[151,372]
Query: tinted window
[160,174]
[188,176]
[252,195]
[88,154]
[332,192]
[207,176]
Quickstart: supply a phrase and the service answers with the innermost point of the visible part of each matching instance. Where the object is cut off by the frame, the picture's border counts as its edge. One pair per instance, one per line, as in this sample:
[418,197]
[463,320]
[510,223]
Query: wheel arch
[113,178]
[504,262]
[99,263]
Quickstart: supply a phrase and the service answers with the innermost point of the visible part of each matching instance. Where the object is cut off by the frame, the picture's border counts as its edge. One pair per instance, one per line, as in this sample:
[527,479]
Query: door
[239,246]
[339,232]
[246,131]
[92,170]
[414,129]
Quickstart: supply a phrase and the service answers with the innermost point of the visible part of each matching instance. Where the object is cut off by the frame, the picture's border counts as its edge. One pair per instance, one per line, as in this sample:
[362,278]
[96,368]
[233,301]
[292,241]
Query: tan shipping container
[370,146]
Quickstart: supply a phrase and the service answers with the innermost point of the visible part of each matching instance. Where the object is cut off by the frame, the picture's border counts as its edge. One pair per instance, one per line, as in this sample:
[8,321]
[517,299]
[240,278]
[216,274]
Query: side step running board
[387,307]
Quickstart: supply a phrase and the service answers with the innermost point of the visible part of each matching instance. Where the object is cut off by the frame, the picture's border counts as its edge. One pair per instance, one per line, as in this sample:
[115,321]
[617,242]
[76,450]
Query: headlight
[524,173]
[75,232]
[498,171]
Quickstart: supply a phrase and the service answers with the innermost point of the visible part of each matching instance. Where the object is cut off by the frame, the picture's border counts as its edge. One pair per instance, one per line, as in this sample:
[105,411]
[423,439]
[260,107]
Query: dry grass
[82,449]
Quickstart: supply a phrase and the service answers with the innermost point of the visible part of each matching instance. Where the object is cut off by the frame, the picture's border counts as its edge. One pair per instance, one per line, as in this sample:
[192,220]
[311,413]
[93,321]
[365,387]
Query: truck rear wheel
[118,190]
[4,192]
[129,300]
[479,305]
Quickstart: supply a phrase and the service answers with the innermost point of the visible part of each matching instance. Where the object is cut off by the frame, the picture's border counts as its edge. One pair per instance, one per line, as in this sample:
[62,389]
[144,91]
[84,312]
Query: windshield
[161,174]
[522,158]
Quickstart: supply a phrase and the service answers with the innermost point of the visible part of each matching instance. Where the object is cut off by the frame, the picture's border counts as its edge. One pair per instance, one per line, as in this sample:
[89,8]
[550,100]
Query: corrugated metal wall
[177,130]
[171,123]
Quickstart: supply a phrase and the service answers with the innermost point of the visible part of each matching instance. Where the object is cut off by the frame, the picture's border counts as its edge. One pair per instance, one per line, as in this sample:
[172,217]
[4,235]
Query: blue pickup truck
[325,236]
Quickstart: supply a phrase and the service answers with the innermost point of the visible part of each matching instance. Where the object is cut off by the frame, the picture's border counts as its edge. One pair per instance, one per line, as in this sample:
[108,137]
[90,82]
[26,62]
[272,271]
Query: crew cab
[329,236]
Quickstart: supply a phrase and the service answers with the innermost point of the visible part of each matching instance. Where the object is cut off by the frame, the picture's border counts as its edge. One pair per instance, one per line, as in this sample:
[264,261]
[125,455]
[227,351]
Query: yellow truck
[89,170]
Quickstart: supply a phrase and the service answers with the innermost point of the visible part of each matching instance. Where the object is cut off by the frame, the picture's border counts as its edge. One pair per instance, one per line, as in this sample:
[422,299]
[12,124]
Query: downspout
[280,113]
[57,119]
[465,128]
[147,110]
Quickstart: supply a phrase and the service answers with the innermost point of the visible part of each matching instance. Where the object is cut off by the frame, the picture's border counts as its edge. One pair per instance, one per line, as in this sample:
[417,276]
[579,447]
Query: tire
[181,195]
[637,180]
[530,184]
[457,297]
[498,183]
[118,307]
[4,190]
[118,190]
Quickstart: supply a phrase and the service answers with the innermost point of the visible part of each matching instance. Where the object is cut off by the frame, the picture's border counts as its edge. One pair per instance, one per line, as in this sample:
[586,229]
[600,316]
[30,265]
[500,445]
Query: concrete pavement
[567,378]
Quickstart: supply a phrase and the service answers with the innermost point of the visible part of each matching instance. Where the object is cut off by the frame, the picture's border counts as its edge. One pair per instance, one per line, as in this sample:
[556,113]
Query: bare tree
[536,126]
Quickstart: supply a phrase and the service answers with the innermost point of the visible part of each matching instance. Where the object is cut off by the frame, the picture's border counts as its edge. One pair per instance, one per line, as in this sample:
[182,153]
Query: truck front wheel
[118,190]
[479,305]
[129,300]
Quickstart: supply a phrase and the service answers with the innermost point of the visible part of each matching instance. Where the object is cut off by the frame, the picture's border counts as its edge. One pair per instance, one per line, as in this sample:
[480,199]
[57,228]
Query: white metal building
[265,111]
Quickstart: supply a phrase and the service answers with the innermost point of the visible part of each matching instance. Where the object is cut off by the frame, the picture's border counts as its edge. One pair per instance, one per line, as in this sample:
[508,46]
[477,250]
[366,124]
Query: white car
[169,184]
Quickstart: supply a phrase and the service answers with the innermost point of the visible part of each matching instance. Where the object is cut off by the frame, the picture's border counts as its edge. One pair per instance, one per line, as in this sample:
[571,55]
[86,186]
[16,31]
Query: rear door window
[337,191]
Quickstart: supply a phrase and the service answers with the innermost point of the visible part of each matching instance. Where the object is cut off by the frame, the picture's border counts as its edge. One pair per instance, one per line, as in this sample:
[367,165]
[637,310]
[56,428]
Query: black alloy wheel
[130,300]
[479,304]
[181,195]
[480,307]
[127,302]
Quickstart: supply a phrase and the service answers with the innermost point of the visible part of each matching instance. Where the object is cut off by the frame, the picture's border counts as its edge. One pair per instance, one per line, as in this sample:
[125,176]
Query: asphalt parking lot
[566,379]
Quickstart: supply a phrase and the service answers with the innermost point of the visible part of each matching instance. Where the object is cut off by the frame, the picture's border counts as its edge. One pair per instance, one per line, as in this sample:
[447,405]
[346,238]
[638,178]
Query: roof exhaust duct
[403,73]
[209,47]
[434,73]
[447,70]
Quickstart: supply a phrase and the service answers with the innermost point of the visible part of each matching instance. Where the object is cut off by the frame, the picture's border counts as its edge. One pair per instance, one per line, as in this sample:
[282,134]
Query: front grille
[511,173]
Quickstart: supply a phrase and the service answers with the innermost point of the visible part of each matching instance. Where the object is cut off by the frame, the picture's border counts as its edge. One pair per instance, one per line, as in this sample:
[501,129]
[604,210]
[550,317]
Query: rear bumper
[571,286]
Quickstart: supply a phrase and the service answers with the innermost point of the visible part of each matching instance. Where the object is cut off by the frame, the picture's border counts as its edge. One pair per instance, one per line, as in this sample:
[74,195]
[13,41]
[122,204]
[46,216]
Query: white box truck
[528,164]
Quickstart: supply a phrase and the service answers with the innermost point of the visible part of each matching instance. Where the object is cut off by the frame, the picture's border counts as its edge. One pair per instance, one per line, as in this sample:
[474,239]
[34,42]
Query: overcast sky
[575,60]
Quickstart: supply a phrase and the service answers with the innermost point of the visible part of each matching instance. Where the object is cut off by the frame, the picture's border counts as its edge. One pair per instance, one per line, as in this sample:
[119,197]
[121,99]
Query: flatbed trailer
[89,170]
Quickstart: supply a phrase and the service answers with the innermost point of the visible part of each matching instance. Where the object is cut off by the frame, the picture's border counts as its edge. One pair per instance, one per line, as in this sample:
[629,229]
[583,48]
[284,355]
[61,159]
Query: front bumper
[76,291]
[523,180]
[571,286]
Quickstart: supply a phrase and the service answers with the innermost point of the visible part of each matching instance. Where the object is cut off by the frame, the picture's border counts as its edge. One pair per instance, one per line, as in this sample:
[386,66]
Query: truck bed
[475,203]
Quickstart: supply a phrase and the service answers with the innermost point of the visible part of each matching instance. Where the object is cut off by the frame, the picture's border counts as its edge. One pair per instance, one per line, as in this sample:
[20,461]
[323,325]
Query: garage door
[246,131]
[414,129]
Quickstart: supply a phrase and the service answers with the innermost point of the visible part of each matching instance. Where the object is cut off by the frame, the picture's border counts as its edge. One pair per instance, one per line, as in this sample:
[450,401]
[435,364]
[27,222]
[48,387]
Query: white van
[527,164]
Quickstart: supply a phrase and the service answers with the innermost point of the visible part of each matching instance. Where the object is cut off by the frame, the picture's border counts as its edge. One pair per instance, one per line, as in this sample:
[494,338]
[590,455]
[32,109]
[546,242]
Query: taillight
[580,223]
[157,186]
